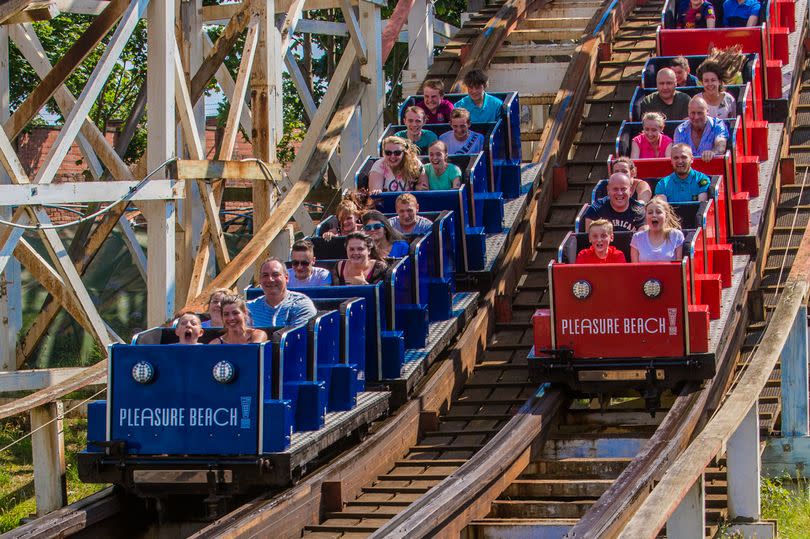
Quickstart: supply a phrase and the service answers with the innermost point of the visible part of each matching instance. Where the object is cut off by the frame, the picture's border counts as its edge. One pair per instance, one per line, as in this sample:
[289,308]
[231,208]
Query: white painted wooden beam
[373,101]
[48,448]
[10,279]
[161,216]
[227,84]
[742,474]
[355,33]
[32,380]
[78,192]
[689,519]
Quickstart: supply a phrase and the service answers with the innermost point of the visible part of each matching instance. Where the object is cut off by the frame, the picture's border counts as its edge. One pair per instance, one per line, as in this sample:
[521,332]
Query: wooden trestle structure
[181,200]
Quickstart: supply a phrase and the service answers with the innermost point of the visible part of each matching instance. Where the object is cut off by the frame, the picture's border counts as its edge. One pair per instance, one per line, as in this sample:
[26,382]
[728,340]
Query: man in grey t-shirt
[668,101]
[407,221]
[460,140]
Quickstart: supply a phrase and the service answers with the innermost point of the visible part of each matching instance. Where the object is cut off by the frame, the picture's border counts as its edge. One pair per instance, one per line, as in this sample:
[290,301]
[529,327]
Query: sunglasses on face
[375,226]
[393,152]
[303,263]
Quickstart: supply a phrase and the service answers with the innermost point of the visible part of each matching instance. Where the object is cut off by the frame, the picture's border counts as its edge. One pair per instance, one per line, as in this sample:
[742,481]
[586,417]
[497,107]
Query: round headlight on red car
[652,288]
[581,289]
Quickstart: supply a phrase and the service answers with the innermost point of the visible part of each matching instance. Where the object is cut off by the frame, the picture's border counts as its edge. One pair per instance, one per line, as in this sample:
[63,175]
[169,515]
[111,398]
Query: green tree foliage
[121,89]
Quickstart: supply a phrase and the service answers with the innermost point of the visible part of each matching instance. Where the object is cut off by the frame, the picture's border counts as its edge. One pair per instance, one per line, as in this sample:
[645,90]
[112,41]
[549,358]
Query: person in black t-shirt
[618,207]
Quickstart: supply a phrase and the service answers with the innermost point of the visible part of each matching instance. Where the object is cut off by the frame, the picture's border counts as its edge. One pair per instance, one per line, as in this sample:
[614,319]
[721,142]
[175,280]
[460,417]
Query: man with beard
[279,306]
[685,184]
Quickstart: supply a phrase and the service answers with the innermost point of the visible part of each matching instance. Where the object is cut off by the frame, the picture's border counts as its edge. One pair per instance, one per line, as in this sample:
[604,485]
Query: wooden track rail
[714,438]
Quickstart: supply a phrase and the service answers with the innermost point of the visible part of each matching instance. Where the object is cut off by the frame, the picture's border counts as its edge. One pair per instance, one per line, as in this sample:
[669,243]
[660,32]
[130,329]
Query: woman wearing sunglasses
[398,170]
[362,264]
[389,242]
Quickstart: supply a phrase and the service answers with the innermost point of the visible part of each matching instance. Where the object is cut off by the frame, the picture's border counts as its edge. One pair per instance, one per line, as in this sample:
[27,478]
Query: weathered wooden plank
[213,59]
[30,380]
[65,67]
[38,11]
[48,451]
[12,7]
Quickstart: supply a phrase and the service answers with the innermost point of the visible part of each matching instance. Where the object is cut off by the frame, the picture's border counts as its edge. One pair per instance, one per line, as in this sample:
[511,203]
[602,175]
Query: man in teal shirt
[482,106]
[685,184]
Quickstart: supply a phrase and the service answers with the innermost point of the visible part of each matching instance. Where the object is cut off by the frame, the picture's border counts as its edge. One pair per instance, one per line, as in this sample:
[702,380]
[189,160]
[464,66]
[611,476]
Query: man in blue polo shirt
[706,136]
[279,306]
[685,184]
[482,106]
[740,13]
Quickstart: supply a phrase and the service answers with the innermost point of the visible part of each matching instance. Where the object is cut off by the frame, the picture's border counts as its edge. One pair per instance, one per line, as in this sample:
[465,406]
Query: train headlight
[224,372]
[143,372]
[581,289]
[652,288]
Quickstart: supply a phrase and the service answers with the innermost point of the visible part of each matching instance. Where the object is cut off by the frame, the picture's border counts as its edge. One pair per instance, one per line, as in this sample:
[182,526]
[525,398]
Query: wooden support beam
[211,169]
[228,86]
[237,100]
[743,471]
[90,92]
[373,101]
[77,192]
[310,171]
[10,8]
[194,146]
[48,448]
[38,11]
[10,279]
[689,519]
[795,391]
[65,67]
[291,21]
[160,146]
[31,380]
[213,59]
[355,33]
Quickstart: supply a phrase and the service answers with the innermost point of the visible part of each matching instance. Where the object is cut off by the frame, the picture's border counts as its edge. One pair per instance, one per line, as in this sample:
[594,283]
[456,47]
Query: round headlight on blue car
[143,372]
[224,372]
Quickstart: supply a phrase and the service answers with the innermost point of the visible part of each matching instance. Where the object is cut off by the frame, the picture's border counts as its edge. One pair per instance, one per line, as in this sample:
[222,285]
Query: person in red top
[600,234]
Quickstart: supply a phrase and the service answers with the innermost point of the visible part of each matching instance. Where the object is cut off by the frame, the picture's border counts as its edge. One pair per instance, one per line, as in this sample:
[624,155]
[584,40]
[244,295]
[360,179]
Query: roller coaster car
[208,419]
[611,328]
[751,73]
[769,40]
[741,182]
[753,134]
[470,239]
[502,172]
[510,117]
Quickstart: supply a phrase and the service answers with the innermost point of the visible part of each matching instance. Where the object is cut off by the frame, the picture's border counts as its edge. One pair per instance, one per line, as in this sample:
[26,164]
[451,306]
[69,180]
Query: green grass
[17,474]
[789,506]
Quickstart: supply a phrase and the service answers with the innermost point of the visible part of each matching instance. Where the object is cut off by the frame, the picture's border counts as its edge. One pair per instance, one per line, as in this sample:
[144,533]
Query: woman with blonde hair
[237,323]
[651,143]
[662,239]
[399,169]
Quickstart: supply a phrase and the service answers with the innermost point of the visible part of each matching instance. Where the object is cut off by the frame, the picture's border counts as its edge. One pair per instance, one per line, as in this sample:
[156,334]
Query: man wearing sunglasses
[303,272]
